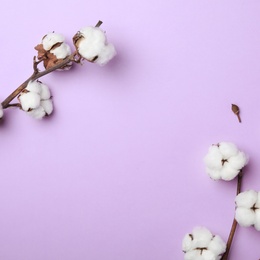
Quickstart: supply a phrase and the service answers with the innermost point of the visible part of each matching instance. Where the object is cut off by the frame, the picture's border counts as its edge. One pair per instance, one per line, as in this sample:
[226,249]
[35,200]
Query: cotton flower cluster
[35,99]
[224,161]
[248,209]
[91,44]
[1,112]
[202,245]
[53,50]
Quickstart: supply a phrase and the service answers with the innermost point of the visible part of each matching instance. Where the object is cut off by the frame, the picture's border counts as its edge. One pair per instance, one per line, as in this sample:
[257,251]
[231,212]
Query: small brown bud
[236,111]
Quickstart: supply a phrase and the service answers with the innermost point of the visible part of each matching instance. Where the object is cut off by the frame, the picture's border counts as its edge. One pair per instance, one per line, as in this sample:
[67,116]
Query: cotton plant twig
[55,54]
[225,161]
[36,75]
[234,224]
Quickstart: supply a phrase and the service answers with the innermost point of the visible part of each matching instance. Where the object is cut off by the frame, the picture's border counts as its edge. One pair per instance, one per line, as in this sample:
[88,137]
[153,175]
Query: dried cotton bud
[35,99]
[53,50]
[91,44]
[248,209]
[224,161]
[201,244]
[236,111]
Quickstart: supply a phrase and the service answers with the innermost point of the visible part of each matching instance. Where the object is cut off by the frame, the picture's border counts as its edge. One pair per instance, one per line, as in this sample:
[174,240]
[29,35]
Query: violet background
[117,172]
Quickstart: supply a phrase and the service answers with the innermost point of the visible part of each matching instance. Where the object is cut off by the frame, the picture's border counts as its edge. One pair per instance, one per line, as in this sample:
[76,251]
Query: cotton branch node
[248,209]
[224,161]
[201,244]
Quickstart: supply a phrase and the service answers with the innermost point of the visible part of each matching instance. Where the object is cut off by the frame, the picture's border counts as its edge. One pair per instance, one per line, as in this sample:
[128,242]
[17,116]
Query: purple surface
[117,172]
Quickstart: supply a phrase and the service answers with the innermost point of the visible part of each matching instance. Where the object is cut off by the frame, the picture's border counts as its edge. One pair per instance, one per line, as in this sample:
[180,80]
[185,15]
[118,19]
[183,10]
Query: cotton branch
[36,75]
[54,53]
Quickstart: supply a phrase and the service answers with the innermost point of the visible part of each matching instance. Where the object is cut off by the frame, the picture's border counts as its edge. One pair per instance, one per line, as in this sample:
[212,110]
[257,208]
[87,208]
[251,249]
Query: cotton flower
[91,44]
[53,50]
[202,245]
[248,209]
[1,112]
[224,161]
[35,99]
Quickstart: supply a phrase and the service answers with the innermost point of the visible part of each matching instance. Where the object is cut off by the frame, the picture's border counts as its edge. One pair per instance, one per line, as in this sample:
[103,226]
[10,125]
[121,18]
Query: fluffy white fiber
[30,100]
[201,244]
[47,105]
[62,51]
[34,86]
[248,209]
[93,46]
[45,92]
[1,111]
[36,100]
[224,161]
[50,39]
[54,44]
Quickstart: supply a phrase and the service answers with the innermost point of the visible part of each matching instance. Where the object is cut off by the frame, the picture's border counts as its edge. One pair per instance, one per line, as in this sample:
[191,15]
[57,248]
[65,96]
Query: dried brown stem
[36,75]
[14,105]
[98,23]
[35,64]
[234,224]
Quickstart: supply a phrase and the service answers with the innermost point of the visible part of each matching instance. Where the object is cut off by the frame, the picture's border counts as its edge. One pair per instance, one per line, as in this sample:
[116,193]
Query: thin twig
[234,224]
[98,23]
[14,105]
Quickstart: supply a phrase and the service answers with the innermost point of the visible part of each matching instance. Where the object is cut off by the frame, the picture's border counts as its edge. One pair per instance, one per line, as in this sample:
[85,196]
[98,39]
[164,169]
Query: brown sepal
[76,38]
[41,52]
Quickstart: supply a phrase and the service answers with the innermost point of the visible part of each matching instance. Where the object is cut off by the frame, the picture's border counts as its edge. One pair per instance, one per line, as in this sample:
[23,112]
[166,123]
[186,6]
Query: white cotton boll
[228,173]
[213,158]
[29,100]
[202,236]
[257,219]
[228,149]
[238,161]
[37,113]
[93,46]
[51,39]
[1,111]
[47,106]
[108,53]
[93,42]
[34,86]
[62,51]
[224,161]
[217,245]
[246,199]
[45,92]
[245,217]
